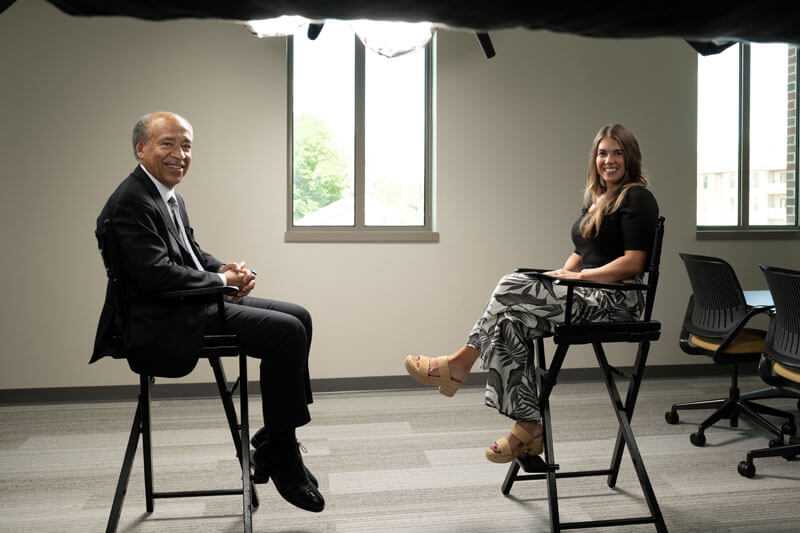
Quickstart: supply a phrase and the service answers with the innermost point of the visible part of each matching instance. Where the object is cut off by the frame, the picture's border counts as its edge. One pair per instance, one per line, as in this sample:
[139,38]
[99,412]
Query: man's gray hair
[141,132]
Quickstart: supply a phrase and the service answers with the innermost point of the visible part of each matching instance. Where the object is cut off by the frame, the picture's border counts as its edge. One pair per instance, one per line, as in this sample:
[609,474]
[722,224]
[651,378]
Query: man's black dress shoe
[290,479]
[261,475]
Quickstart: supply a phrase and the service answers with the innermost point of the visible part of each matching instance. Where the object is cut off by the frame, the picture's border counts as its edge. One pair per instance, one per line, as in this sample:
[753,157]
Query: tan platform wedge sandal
[532,444]
[447,385]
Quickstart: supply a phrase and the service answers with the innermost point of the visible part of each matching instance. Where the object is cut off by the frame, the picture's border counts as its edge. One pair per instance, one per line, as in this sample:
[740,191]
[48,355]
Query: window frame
[745,230]
[360,232]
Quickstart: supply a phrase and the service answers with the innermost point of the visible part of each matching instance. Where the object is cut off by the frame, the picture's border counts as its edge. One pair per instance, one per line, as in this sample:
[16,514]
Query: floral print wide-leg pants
[523,307]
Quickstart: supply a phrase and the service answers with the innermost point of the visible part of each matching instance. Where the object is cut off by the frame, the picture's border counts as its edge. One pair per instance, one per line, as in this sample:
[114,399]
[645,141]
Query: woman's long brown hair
[595,192]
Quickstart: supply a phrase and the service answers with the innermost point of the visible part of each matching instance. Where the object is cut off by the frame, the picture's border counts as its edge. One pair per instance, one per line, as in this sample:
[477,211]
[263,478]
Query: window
[360,141]
[746,132]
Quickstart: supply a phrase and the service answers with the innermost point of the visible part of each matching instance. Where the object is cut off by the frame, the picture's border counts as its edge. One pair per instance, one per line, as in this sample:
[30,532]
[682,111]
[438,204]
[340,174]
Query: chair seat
[586,333]
[792,374]
[748,341]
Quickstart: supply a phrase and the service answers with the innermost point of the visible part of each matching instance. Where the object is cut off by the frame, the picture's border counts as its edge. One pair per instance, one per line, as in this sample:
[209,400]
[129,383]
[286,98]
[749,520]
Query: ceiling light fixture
[389,39]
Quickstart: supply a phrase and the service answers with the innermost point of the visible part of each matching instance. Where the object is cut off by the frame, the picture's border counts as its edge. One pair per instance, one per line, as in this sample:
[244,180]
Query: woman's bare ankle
[462,361]
[533,429]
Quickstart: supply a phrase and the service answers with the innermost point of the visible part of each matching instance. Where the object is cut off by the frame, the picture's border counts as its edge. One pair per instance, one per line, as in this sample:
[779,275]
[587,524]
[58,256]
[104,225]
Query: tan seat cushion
[747,341]
[788,372]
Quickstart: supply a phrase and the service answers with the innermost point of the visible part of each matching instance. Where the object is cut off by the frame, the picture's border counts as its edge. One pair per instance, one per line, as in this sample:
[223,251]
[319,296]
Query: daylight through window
[360,140]
[746,138]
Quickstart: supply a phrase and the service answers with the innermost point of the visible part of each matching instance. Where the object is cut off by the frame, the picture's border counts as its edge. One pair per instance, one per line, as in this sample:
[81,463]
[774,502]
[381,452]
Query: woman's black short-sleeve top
[631,227]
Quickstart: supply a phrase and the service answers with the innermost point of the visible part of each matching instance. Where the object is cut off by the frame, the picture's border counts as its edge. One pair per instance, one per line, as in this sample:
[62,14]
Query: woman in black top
[612,238]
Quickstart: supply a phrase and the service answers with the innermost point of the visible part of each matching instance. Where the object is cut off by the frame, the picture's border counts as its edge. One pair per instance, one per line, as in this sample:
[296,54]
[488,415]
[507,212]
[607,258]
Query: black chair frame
[782,347]
[213,348]
[787,447]
[737,403]
[642,332]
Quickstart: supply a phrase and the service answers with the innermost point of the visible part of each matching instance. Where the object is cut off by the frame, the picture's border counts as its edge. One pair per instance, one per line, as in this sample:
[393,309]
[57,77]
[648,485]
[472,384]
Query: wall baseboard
[170,389]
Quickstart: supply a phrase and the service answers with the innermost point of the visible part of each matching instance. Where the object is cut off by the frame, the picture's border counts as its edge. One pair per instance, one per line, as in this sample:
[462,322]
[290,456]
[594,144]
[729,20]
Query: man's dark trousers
[278,333]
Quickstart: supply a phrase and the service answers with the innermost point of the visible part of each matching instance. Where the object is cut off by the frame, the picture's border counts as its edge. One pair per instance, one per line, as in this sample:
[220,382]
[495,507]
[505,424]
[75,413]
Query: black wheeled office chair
[641,332]
[213,347]
[780,362]
[714,326]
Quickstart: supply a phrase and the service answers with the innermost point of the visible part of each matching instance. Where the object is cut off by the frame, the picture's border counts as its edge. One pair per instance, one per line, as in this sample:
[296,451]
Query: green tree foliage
[320,171]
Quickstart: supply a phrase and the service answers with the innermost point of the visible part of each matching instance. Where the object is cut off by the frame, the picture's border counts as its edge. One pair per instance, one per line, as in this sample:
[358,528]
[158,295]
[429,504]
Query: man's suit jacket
[161,338]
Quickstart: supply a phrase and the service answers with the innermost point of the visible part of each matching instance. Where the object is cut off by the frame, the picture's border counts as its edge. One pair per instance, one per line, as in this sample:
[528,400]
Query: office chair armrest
[188,293]
[751,312]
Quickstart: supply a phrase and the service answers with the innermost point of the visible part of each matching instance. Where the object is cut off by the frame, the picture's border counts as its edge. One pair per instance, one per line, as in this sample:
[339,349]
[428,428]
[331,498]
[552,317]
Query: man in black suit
[158,252]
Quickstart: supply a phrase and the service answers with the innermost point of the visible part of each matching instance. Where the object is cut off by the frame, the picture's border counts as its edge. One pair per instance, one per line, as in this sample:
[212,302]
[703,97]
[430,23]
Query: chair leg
[249,497]
[511,476]
[630,405]
[770,392]
[767,410]
[125,471]
[630,441]
[723,412]
[746,410]
[546,380]
[550,461]
[789,452]
[718,404]
[147,454]
[544,406]
[704,404]
[239,432]
[227,403]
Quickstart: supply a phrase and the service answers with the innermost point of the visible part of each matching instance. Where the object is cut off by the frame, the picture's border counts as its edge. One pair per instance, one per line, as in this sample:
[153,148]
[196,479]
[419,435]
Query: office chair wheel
[774,443]
[747,469]
[671,417]
[788,428]
[698,439]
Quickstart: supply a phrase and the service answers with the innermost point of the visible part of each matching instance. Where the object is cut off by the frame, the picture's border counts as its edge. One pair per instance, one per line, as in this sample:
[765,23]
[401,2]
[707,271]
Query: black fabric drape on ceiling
[755,21]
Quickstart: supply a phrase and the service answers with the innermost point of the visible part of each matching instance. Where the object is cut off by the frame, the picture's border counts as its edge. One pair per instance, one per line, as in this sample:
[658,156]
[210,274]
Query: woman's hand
[626,266]
[563,273]
[570,270]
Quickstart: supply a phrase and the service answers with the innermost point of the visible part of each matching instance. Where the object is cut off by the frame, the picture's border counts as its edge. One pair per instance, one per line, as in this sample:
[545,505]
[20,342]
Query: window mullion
[429,134]
[744,135]
[796,125]
[359,130]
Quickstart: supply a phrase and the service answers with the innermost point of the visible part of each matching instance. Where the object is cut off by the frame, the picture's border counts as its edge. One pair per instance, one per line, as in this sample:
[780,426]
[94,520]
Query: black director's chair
[642,332]
[213,348]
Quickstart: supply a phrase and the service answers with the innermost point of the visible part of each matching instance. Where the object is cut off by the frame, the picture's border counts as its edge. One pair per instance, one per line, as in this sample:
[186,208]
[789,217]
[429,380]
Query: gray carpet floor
[409,461]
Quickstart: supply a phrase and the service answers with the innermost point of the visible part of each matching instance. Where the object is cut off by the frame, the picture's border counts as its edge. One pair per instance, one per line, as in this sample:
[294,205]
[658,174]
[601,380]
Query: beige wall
[513,133]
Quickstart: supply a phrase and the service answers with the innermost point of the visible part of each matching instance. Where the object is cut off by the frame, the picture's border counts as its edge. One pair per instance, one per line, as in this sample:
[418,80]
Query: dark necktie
[176,219]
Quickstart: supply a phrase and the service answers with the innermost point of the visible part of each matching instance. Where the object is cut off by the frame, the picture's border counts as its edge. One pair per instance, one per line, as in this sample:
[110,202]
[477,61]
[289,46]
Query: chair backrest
[783,335]
[717,305]
[107,244]
[654,261]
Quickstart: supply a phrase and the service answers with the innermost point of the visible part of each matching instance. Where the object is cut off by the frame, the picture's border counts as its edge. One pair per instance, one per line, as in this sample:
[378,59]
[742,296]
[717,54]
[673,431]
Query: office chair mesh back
[718,303]
[783,337]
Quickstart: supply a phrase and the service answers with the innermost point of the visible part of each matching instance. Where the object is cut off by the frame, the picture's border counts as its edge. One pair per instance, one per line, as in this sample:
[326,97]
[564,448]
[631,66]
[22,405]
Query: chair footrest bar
[616,371]
[196,493]
[611,522]
[584,473]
